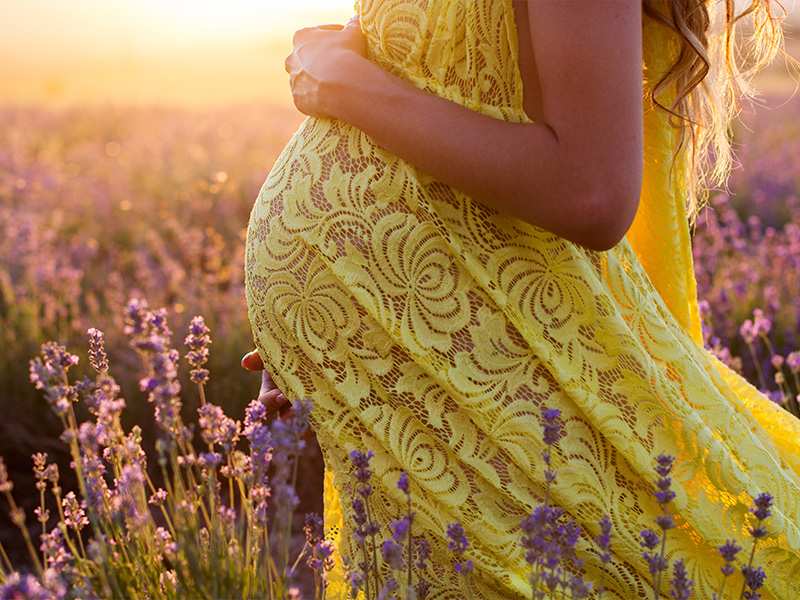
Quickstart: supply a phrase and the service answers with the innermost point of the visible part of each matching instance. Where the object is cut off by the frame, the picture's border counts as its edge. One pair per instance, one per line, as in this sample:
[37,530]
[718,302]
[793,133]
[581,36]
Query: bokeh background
[187,52]
[134,137]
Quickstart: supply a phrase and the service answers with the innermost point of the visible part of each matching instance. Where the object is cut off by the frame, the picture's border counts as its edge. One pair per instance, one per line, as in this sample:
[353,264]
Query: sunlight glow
[223,18]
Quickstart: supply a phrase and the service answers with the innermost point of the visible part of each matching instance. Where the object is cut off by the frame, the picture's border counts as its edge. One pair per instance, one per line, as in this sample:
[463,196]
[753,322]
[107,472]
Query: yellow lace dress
[431,331]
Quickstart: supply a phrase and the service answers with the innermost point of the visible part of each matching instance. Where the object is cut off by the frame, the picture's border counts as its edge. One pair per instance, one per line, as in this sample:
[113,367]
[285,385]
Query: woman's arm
[576,172]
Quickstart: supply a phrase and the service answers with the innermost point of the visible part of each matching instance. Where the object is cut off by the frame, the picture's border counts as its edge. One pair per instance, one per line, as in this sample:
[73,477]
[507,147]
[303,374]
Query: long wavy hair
[719,51]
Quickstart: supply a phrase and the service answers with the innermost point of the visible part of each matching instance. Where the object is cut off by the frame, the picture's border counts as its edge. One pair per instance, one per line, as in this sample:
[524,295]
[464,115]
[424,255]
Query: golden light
[219,19]
[171,51]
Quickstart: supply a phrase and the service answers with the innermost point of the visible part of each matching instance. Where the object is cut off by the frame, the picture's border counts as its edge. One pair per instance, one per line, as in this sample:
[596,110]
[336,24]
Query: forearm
[560,183]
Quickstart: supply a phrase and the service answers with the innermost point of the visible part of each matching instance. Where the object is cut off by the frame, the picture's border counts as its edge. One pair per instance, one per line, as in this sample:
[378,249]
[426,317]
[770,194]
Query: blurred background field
[134,139]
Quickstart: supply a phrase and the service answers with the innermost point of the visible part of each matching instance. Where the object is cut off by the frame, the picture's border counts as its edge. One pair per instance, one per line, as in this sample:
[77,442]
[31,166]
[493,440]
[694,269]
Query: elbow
[605,215]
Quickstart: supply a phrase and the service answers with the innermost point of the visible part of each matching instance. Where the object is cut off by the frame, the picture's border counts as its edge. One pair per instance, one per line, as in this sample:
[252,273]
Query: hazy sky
[49,28]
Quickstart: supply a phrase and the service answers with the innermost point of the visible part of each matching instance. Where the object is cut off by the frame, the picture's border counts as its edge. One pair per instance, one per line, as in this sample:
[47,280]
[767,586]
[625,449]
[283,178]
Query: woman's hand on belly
[318,53]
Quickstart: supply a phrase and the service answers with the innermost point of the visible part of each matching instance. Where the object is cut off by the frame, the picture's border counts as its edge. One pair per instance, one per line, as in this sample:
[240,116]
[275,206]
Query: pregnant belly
[330,185]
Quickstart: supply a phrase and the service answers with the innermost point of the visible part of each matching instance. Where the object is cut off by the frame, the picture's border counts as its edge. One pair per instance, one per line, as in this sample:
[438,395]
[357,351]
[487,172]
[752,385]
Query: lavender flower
[136,318]
[97,353]
[458,539]
[681,584]
[754,577]
[747,331]
[403,483]
[258,434]
[728,550]
[603,542]
[321,557]
[761,511]
[392,554]
[217,428]
[314,528]
[553,431]
[423,553]
[6,485]
[753,581]
[128,497]
[366,528]
[198,341]
[163,388]
[23,586]
[656,560]
[458,544]
[761,324]
[74,512]
[49,374]
[362,473]
[793,362]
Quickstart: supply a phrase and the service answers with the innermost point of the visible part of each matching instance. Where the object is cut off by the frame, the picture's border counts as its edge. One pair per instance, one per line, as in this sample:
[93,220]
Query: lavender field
[101,205]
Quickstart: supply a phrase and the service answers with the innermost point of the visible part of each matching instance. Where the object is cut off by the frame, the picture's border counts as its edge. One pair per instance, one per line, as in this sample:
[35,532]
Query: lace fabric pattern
[432,331]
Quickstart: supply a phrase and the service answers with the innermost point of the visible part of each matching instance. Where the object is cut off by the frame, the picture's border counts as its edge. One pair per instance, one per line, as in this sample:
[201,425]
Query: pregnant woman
[485,216]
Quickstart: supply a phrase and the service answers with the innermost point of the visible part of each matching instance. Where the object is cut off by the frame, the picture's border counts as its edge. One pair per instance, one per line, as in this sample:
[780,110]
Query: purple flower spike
[553,430]
[650,539]
[747,331]
[361,464]
[681,584]
[665,522]
[761,324]
[753,580]
[761,510]
[729,550]
[793,361]
[763,504]
[423,553]
[400,529]
[97,353]
[314,528]
[603,541]
[217,427]
[458,538]
[198,341]
[664,463]
[23,586]
[392,553]
[403,483]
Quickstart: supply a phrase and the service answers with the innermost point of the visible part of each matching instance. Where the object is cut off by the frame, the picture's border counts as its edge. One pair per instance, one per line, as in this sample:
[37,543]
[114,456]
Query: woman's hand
[269,394]
[319,59]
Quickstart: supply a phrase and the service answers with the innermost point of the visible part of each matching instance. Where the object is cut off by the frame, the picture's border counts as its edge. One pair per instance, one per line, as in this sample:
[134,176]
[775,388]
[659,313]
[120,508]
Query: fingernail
[281,398]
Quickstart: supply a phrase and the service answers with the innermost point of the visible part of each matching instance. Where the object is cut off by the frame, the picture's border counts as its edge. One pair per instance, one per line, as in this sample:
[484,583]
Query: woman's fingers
[269,394]
[318,60]
[252,361]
